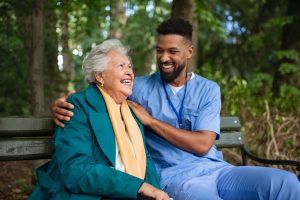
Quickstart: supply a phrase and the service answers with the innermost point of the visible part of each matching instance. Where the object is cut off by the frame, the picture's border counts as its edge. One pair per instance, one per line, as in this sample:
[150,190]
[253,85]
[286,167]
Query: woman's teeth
[126,82]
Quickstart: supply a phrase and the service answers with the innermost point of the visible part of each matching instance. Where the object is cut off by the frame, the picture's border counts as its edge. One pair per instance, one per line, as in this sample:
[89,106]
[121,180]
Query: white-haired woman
[100,153]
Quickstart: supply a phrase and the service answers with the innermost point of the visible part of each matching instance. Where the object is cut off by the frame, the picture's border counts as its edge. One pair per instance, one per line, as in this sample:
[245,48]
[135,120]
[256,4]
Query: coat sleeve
[73,146]
[151,175]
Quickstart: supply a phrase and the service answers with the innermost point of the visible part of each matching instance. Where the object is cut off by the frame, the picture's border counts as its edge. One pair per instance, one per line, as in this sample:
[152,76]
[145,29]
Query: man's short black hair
[176,26]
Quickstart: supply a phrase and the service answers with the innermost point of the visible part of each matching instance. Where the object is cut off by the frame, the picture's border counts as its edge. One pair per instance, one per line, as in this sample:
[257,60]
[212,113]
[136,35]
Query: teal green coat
[83,159]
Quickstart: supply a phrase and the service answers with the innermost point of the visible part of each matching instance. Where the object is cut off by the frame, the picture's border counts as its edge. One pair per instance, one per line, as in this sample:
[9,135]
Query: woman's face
[118,76]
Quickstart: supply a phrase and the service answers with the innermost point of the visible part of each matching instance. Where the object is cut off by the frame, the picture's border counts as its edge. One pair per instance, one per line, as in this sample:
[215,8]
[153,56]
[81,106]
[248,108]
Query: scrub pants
[235,183]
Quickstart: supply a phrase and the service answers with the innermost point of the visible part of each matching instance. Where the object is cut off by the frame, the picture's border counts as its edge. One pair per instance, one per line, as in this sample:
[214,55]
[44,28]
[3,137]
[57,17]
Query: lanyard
[178,115]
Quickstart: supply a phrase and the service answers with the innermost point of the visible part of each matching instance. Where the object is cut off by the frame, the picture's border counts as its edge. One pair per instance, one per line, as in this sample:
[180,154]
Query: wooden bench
[30,139]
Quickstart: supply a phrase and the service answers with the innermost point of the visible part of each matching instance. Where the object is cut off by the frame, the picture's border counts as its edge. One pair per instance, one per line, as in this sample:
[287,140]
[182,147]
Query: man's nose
[164,57]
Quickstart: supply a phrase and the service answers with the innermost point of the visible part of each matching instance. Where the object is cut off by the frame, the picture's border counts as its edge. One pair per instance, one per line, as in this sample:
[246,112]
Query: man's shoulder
[200,80]
[147,78]
[143,84]
[148,81]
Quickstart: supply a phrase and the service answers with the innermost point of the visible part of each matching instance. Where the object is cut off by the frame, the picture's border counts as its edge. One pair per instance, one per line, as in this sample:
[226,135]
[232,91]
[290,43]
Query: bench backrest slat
[25,127]
[30,138]
[230,123]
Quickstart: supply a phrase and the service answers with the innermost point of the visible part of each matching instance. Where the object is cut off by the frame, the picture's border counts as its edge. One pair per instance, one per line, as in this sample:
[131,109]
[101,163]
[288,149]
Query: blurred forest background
[251,48]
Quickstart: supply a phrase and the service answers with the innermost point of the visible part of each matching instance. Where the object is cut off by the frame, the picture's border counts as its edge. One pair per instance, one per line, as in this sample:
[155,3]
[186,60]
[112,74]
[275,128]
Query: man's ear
[190,51]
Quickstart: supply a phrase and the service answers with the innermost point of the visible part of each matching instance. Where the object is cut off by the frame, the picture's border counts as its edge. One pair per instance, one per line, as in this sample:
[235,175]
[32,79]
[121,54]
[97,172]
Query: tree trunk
[184,9]
[193,62]
[290,41]
[265,12]
[67,67]
[37,59]
[51,72]
[117,19]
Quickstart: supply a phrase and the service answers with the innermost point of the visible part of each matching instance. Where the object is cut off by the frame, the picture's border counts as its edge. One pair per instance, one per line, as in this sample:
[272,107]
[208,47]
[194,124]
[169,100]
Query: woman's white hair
[97,59]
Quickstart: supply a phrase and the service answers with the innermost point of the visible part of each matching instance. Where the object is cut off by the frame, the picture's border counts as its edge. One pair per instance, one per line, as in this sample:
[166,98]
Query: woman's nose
[129,69]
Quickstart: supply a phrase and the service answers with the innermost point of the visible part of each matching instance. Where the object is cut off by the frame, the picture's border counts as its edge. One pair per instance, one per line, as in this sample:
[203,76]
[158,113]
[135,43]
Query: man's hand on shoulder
[60,109]
[140,112]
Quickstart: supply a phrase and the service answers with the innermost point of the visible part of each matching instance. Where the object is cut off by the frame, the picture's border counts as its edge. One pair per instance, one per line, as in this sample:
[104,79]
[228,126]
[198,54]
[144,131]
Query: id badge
[186,125]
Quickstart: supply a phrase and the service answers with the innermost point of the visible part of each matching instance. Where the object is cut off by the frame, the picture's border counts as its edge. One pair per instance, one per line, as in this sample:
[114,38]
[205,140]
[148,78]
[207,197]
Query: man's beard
[169,77]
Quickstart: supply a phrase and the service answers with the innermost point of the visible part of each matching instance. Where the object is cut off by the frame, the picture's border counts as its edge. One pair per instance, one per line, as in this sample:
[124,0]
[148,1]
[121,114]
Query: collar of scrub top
[178,114]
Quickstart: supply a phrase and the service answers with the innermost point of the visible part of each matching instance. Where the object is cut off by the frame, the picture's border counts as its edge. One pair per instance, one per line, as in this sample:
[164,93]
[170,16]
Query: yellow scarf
[134,158]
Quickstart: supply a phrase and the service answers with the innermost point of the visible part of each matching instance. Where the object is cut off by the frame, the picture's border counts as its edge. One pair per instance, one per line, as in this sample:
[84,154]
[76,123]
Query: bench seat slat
[25,148]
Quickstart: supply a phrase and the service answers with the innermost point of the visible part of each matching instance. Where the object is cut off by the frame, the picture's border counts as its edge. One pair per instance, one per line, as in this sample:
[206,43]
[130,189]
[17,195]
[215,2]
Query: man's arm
[60,110]
[198,142]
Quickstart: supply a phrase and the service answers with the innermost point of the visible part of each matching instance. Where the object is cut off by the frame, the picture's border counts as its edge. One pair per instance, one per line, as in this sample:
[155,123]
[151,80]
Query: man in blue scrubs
[182,125]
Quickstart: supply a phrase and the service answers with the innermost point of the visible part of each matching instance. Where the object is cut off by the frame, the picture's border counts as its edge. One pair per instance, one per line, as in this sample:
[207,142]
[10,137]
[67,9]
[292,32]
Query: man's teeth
[167,66]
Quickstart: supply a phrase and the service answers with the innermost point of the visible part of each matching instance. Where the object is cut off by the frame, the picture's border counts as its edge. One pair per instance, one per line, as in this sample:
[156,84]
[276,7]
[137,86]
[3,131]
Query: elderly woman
[100,153]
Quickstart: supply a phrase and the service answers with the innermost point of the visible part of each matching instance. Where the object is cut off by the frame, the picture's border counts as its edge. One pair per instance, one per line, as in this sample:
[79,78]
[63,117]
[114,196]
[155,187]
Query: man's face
[172,52]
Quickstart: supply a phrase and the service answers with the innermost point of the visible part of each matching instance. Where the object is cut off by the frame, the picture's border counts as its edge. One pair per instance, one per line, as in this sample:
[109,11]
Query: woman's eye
[173,52]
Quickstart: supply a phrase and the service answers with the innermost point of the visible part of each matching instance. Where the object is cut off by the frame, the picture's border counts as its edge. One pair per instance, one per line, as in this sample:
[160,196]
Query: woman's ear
[99,78]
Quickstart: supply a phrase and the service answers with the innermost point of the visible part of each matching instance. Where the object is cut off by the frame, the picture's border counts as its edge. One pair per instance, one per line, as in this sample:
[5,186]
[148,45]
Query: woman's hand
[140,113]
[150,191]
[60,110]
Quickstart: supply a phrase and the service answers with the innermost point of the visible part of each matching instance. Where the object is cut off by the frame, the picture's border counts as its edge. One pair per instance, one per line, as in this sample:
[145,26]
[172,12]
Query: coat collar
[100,123]
[95,99]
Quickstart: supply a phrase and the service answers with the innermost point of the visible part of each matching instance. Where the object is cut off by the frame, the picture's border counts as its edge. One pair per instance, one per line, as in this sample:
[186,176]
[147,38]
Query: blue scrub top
[201,111]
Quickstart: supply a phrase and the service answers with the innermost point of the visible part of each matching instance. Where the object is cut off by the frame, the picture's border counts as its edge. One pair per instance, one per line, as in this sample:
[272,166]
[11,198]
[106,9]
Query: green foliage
[265,118]
[286,54]
[289,100]
[140,35]
[291,58]
[215,24]
[14,84]
[240,95]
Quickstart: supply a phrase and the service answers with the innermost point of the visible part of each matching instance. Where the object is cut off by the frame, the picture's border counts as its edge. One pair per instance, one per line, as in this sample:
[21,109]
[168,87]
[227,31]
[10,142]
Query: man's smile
[166,66]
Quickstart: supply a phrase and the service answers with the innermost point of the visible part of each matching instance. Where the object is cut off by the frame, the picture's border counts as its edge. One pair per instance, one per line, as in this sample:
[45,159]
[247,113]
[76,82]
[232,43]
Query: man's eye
[159,51]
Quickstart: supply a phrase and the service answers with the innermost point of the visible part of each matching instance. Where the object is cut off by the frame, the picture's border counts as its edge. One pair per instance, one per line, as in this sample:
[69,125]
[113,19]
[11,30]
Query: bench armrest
[247,154]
